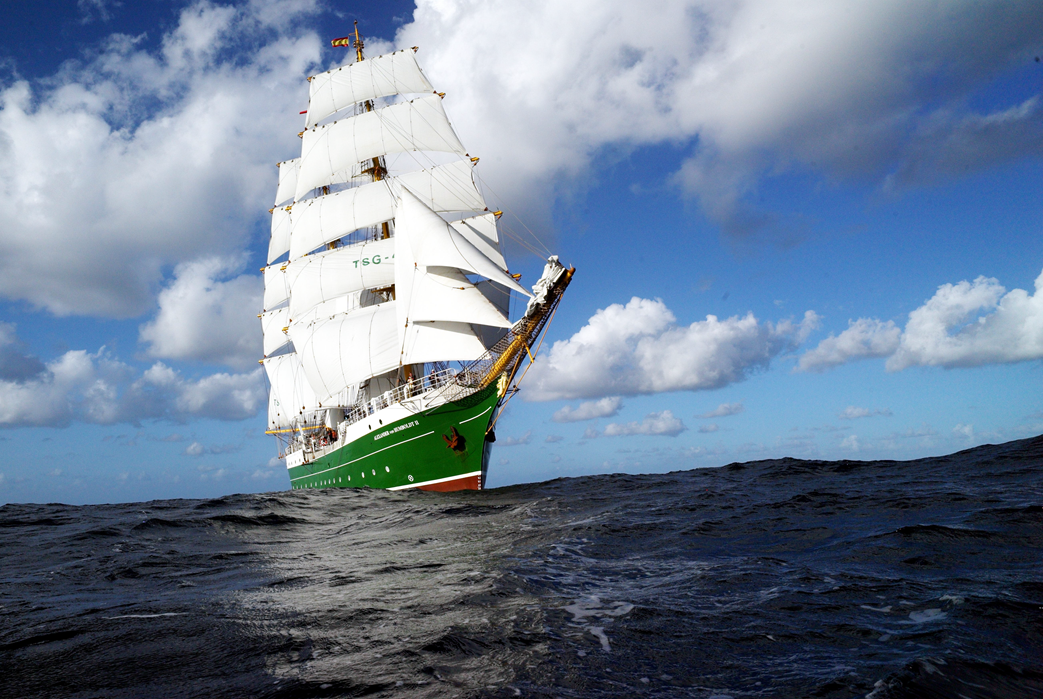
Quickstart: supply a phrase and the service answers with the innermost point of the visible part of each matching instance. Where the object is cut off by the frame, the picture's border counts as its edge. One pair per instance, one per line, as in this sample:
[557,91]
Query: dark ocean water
[778,578]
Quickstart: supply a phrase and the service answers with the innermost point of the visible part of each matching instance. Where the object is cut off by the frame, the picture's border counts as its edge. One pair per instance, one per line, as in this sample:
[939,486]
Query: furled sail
[290,397]
[272,324]
[332,273]
[348,348]
[331,149]
[392,74]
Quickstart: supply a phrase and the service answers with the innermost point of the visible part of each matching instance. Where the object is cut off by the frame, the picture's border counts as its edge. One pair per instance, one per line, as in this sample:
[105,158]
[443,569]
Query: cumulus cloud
[515,441]
[724,410]
[852,412]
[97,388]
[662,423]
[851,443]
[752,87]
[639,348]
[589,410]
[707,429]
[553,438]
[133,160]
[864,338]
[206,319]
[973,323]
[962,325]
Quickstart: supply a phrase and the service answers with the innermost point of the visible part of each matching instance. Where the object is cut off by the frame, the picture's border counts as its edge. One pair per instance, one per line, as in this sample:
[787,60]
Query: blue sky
[810,230]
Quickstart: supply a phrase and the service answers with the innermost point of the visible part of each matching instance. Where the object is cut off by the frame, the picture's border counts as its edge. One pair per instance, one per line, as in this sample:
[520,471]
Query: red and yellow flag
[343,41]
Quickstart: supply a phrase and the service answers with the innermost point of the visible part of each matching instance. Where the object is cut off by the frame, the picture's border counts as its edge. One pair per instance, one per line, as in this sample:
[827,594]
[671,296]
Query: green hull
[441,448]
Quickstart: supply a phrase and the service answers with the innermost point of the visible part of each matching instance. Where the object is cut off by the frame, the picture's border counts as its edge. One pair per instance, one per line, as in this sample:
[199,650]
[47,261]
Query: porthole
[410,479]
[388,469]
[374,471]
[363,474]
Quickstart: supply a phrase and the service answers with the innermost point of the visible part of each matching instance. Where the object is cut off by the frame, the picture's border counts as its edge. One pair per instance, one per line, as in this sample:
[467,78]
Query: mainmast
[378,169]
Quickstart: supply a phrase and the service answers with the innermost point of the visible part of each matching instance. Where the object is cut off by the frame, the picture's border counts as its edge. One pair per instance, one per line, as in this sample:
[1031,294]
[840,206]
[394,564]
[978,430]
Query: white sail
[334,148]
[444,294]
[272,324]
[501,298]
[435,243]
[317,221]
[276,286]
[448,187]
[481,232]
[440,342]
[339,304]
[348,348]
[290,396]
[392,74]
[321,220]
[436,305]
[332,273]
[288,171]
[279,243]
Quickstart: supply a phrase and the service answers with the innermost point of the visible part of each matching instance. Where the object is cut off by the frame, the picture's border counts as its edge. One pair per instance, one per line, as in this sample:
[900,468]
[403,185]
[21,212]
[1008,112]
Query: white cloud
[553,438]
[863,339]
[852,412]
[851,442]
[965,431]
[589,410]
[96,388]
[724,410]
[962,325]
[707,429]
[515,441]
[662,423]
[639,348]
[131,161]
[755,87]
[195,449]
[973,323]
[88,8]
[205,319]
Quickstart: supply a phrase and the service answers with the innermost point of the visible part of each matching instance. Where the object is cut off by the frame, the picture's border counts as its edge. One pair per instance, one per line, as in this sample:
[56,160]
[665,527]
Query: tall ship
[388,344]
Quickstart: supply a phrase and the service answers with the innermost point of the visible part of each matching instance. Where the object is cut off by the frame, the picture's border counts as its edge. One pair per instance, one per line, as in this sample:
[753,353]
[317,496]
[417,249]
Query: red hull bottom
[466,483]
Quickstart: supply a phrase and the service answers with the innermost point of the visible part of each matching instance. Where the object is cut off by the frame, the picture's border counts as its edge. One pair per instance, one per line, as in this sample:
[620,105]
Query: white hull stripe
[477,416]
[348,463]
[437,480]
